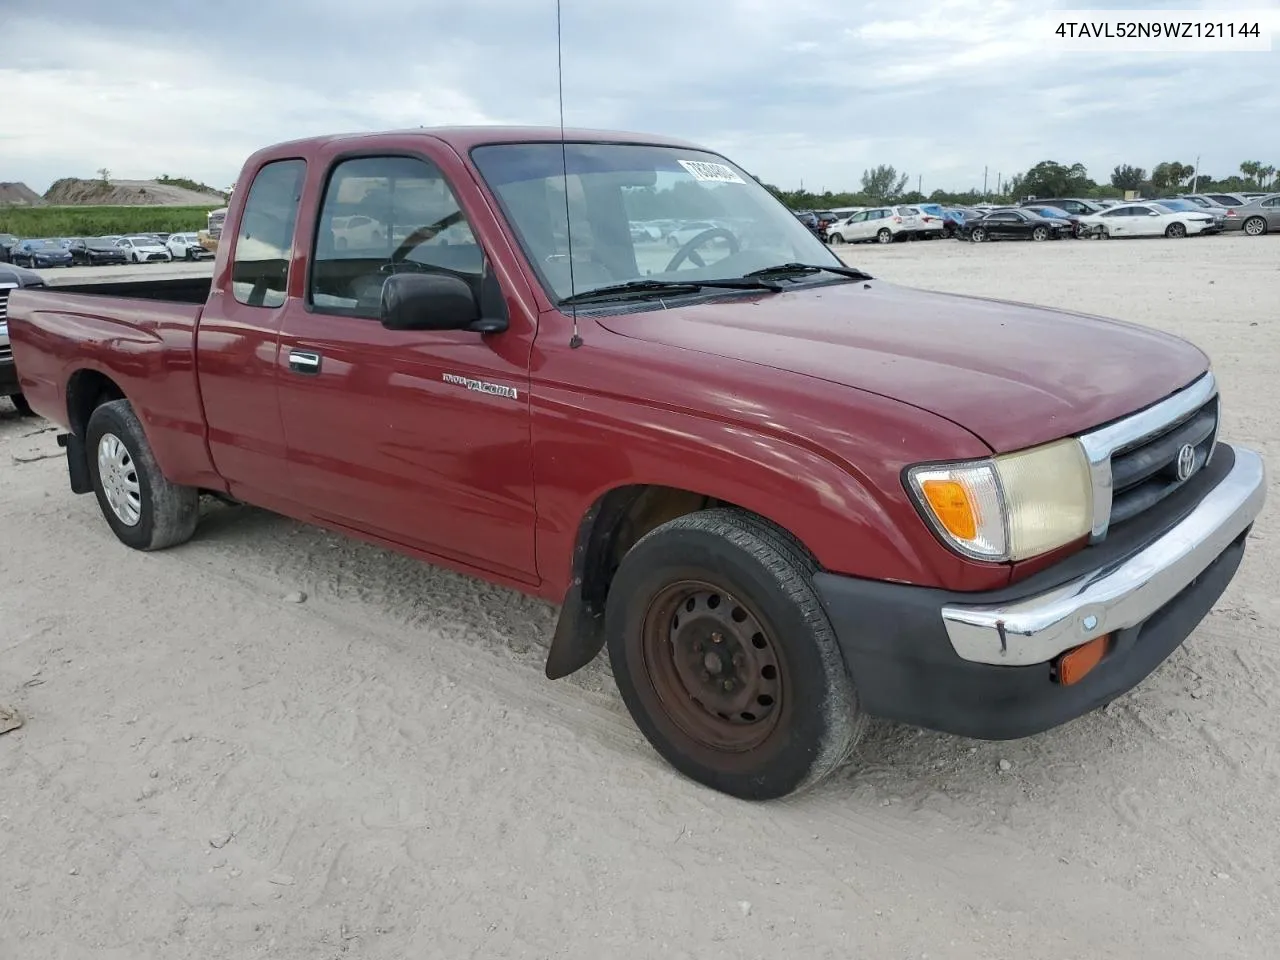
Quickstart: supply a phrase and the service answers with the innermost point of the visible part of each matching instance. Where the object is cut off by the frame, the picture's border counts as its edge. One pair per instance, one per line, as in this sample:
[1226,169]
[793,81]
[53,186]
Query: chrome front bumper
[1039,628]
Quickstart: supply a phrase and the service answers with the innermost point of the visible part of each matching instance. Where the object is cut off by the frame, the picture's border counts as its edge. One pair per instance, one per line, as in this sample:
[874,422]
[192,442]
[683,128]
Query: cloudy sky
[794,90]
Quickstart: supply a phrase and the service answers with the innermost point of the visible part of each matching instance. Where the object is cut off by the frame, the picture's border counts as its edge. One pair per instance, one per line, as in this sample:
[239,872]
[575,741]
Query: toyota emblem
[1186,462]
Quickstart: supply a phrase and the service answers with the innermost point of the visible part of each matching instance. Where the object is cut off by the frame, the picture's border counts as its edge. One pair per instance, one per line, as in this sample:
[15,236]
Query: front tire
[725,658]
[1176,231]
[143,509]
[837,238]
[885,235]
[20,404]
[1040,233]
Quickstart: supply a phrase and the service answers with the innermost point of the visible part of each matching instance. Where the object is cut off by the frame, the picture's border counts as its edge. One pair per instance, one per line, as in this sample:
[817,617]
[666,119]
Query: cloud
[812,90]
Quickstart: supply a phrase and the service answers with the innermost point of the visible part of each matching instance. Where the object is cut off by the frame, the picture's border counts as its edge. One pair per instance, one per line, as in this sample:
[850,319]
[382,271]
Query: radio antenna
[575,341]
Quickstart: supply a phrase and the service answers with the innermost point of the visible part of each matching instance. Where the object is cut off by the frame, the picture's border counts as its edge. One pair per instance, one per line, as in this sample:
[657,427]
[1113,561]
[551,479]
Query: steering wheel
[688,250]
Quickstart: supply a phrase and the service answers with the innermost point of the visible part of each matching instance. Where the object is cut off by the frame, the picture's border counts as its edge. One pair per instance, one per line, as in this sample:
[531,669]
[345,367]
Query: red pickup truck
[784,495]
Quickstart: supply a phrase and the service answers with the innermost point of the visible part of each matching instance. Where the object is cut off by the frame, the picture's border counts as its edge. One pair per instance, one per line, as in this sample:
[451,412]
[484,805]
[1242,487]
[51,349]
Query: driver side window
[384,215]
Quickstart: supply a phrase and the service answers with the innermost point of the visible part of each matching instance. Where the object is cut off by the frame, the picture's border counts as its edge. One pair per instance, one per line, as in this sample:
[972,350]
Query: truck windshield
[637,212]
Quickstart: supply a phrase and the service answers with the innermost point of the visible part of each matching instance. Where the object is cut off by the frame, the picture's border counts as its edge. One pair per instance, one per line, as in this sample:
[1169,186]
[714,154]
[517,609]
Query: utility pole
[1000,184]
[919,183]
[1195,181]
[984,183]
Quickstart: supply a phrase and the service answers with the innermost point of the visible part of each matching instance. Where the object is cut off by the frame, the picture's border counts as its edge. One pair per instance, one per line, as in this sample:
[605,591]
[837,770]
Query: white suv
[882,224]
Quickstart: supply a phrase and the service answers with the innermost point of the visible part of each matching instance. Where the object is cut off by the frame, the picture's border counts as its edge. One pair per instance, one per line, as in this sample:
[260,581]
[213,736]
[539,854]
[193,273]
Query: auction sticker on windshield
[711,172]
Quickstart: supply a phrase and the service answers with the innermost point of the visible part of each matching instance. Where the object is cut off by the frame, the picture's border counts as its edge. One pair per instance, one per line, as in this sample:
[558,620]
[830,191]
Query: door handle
[303,361]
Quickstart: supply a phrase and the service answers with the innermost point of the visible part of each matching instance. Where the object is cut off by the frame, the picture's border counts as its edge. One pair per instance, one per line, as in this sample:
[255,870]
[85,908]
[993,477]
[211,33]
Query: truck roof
[463,138]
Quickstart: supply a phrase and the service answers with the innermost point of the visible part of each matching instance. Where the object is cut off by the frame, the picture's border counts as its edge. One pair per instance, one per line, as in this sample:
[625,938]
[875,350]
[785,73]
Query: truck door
[418,437]
[237,334]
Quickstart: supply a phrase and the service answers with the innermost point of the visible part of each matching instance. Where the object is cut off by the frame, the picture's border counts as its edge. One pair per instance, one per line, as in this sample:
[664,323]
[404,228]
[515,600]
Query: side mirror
[430,301]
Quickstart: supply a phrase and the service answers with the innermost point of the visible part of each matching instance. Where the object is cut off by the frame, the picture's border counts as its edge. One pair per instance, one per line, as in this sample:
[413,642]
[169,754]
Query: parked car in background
[12,278]
[144,249]
[94,252]
[1221,199]
[1014,223]
[39,254]
[927,223]
[952,220]
[881,224]
[1057,213]
[186,246]
[1147,220]
[1255,217]
[7,241]
[1178,205]
[1203,202]
[1076,206]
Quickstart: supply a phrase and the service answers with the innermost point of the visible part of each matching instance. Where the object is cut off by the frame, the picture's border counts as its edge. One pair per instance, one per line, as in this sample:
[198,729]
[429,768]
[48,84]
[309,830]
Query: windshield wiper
[619,290]
[784,269]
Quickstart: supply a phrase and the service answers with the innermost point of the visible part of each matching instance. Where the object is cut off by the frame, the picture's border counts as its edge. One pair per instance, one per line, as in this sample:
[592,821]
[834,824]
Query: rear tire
[885,235]
[765,710]
[1254,227]
[143,509]
[20,404]
[979,235]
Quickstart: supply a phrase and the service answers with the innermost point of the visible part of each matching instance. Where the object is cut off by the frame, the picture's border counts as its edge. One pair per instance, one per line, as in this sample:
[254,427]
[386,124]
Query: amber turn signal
[1076,663]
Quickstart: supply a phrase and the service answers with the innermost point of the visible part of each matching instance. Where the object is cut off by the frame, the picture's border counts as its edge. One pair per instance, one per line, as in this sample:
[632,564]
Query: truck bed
[136,338]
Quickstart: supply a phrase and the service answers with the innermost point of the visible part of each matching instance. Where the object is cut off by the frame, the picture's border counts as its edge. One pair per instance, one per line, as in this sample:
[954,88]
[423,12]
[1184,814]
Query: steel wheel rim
[725,694]
[979,235]
[1253,227]
[119,477]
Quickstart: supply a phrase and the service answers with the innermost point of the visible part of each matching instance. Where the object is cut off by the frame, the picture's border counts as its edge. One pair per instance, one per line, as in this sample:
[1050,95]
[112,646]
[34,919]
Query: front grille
[1143,475]
[4,303]
[1134,462]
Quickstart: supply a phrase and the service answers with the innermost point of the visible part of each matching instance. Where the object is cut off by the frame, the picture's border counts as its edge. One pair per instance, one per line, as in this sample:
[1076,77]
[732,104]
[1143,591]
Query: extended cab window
[384,215]
[264,245]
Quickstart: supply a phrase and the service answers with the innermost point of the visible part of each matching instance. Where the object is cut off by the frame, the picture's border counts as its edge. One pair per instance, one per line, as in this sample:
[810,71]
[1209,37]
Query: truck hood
[1015,375]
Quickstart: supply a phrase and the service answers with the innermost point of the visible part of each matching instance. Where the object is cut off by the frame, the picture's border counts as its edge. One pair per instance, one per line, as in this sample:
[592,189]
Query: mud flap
[579,636]
[77,462]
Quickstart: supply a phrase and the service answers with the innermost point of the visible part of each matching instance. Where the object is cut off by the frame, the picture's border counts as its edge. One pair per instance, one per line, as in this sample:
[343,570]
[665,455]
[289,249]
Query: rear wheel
[20,404]
[1255,226]
[725,657]
[143,509]
[979,235]
[1176,230]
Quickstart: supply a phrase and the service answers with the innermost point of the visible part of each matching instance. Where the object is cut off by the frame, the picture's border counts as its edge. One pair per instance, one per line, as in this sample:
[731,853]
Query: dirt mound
[72,191]
[18,194]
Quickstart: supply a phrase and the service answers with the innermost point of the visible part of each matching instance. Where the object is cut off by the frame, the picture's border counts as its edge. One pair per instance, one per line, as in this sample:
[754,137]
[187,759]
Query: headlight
[1010,507]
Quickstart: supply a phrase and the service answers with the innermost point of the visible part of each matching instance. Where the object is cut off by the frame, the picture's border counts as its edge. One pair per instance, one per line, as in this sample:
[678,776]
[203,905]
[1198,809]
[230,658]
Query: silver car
[1256,217]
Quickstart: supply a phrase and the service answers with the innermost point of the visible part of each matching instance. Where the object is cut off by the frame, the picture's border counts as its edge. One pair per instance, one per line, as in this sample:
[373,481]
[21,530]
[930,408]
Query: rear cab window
[264,242]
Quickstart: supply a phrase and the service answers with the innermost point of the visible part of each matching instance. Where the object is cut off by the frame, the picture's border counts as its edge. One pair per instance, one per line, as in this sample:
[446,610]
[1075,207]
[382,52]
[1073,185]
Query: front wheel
[1040,233]
[725,658]
[143,509]
[837,238]
[1176,230]
[885,235]
[20,404]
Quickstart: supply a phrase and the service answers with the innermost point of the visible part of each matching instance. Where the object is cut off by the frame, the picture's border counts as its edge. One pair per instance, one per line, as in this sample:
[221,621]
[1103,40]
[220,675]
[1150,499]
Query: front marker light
[1010,507]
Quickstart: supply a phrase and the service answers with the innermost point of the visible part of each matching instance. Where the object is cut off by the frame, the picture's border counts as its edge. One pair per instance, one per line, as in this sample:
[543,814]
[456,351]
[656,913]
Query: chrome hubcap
[119,477]
[1253,227]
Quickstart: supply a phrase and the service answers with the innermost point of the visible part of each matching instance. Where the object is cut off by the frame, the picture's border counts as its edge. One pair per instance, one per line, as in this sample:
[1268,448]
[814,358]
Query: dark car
[93,252]
[1014,224]
[1057,213]
[7,242]
[1076,206]
[810,220]
[40,253]
[11,278]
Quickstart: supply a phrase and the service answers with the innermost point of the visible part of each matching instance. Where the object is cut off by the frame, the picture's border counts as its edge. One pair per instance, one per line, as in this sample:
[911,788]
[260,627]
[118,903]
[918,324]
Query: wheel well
[86,391]
[611,527]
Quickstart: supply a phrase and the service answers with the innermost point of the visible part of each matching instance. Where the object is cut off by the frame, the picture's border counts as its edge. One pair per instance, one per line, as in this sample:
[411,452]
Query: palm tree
[1265,176]
[1250,169]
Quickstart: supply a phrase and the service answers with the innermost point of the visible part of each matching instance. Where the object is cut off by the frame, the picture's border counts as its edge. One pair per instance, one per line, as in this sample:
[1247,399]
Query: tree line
[1048,178]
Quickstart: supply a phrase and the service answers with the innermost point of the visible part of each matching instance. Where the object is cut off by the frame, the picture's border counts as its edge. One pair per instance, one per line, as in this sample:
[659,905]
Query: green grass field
[98,221]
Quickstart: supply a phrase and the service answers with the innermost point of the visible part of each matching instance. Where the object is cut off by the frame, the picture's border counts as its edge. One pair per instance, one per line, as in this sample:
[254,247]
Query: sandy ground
[209,770]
